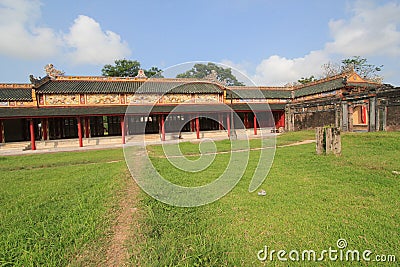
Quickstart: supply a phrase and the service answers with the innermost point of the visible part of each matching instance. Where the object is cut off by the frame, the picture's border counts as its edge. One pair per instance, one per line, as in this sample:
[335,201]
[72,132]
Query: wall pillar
[344,123]
[372,115]
[197,127]
[123,129]
[32,134]
[350,117]
[80,131]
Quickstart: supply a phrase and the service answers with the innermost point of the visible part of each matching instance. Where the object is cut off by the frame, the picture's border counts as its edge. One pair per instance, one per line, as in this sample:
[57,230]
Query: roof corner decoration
[37,82]
[52,72]
[141,74]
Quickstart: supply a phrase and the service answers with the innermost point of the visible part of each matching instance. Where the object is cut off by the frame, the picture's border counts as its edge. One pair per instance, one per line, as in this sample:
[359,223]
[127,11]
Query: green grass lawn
[55,208]
[311,202]
[58,209]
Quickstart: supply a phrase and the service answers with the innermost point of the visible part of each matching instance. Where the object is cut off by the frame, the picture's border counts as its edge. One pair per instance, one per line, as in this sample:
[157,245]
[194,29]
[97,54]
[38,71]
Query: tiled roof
[258,94]
[16,94]
[128,86]
[320,87]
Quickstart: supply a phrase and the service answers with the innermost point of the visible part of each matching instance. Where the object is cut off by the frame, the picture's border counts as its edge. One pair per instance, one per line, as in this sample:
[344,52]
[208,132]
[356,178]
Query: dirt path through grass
[299,143]
[117,253]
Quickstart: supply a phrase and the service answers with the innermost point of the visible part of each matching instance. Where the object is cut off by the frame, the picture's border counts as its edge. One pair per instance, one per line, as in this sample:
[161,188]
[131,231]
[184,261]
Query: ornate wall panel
[99,99]
[142,98]
[207,98]
[62,100]
[177,98]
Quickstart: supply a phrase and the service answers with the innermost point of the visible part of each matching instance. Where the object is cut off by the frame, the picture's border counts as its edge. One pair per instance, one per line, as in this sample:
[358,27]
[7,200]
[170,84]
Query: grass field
[55,208]
[311,202]
[59,209]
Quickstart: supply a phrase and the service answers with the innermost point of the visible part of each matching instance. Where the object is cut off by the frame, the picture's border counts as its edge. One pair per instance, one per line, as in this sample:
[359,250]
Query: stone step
[15,145]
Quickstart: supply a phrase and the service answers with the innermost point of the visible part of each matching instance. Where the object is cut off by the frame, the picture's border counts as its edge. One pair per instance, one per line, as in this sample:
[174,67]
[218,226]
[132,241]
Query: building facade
[61,107]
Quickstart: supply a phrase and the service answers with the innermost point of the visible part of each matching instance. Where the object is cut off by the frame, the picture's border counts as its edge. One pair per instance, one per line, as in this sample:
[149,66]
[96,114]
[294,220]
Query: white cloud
[25,38]
[22,36]
[371,31]
[93,46]
[278,71]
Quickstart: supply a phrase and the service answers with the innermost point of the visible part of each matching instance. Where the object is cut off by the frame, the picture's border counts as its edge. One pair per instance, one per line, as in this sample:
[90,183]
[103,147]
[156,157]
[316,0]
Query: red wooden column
[246,120]
[228,123]
[44,128]
[1,132]
[191,124]
[87,127]
[162,128]
[32,132]
[197,127]
[123,129]
[80,131]
[220,127]
[255,124]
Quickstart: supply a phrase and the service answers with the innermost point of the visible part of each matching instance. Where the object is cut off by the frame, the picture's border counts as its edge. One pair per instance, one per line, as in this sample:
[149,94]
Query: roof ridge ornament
[213,77]
[52,72]
[141,74]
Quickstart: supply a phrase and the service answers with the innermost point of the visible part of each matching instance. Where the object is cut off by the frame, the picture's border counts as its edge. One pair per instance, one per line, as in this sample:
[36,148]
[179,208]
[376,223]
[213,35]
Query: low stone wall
[310,120]
[393,118]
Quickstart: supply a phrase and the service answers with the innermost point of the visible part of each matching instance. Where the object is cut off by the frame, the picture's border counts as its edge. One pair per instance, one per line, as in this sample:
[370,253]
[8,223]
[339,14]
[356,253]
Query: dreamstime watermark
[172,106]
[338,253]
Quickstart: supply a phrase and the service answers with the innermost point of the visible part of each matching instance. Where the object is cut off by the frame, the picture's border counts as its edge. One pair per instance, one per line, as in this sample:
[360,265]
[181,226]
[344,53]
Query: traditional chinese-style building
[61,107]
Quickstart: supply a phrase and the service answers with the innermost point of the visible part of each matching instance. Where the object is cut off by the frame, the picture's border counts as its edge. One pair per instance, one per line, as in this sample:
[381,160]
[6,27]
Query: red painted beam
[197,128]
[80,132]
[123,129]
[32,133]
[255,124]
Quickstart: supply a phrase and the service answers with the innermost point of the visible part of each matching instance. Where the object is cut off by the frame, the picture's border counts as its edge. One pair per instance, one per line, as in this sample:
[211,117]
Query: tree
[358,64]
[330,69]
[154,72]
[361,66]
[128,68]
[211,71]
[307,80]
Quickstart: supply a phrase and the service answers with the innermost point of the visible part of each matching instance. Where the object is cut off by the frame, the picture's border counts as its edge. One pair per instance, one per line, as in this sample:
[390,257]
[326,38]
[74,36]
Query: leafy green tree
[212,71]
[154,72]
[128,68]
[307,80]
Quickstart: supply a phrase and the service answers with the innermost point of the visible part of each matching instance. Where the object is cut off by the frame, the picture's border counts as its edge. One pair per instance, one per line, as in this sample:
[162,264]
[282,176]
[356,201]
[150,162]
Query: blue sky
[273,42]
